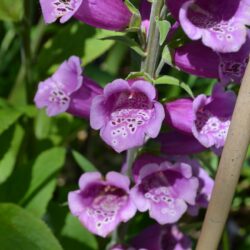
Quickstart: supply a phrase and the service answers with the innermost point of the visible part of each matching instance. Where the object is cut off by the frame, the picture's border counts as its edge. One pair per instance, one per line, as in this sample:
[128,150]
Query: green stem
[153,39]
[148,66]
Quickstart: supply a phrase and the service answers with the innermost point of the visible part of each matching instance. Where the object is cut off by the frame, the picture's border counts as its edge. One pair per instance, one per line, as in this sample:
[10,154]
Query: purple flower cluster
[128,113]
[167,188]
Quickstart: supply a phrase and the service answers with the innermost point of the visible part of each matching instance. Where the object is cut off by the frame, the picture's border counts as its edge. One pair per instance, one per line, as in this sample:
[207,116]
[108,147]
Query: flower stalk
[229,170]
[153,47]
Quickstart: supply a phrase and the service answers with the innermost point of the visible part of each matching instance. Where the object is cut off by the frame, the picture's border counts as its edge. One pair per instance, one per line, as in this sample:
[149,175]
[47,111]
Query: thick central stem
[153,46]
[149,64]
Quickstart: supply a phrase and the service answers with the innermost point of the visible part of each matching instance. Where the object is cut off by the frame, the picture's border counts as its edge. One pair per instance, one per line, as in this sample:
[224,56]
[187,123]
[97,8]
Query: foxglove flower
[101,204]
[67,90]
[208,118]
[206,184]
[105,14]
[157,237]
[127,114]
[224,66]
[165,189]
[213,116]
[220,25]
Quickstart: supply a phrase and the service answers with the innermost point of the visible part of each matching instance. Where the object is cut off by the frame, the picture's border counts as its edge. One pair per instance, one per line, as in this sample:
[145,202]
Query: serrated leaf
[131,43]
[164,27]
[169,80]
[83,162]
[43,180]
[11,10]
[20,230]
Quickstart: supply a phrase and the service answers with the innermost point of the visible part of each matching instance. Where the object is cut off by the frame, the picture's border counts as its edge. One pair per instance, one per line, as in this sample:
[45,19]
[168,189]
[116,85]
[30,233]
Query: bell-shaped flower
[213,117]
[220,25]
[67,90]
[165,190]
[101,205]
[225,66]
[127,114]
[105,14]
[205,186]
[207,118]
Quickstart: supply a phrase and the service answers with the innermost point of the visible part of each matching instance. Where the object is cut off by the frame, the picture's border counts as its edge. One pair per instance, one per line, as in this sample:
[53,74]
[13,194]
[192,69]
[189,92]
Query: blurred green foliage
[42,158]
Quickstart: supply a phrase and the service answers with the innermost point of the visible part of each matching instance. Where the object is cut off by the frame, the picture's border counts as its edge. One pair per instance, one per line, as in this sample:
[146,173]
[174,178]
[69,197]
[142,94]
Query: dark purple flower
[224,66]
[105,14]
[213,116]
[205,186]
[67,90]
[157,237]
[176,143]
[127,114]
[207,119]
[220,25]
[165,189]
[101,204]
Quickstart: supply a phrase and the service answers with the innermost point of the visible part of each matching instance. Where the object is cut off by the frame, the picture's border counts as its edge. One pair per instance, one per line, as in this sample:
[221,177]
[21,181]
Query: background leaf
[20,230]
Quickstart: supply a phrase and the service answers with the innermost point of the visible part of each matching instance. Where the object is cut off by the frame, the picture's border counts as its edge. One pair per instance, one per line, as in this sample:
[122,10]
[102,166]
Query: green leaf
[166,56]
[135,21]
[146,76]
[8,161]
[169,80]
[87,45]
[131,43]
[8,116]
[20,230]
[11,10]
[83,162]
[164,27]
[43,180]
[75,236]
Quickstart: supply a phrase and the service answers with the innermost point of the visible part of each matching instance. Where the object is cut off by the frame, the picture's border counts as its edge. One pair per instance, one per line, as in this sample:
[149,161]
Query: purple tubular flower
[165,189]
[220,25]
[127,114]
[225,66]
[158,237]
[207,119]
[176,143]
[179,114]
[67,90]
[105,14]
[100,204]
[213,116]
